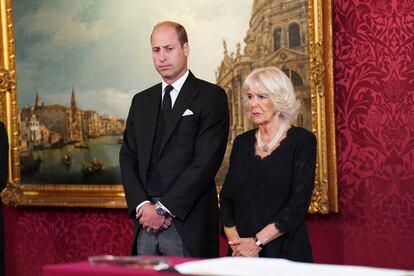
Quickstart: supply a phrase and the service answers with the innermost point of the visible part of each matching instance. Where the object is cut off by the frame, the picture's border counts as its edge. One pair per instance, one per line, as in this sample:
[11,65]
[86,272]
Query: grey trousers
[164,243]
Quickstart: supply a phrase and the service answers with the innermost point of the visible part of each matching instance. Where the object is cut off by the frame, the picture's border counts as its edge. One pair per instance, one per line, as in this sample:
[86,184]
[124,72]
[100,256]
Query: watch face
[160,211]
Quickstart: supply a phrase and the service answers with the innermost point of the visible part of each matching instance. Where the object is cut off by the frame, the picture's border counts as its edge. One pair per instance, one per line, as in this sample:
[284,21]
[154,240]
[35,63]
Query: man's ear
[186,49]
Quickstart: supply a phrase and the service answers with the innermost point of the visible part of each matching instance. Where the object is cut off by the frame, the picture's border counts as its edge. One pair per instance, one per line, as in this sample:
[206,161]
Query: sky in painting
[101,47]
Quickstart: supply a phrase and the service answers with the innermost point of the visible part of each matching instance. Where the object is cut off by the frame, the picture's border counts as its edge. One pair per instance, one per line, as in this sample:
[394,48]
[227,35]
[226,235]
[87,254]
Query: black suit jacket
[191,152]
[4,156]
[4,166]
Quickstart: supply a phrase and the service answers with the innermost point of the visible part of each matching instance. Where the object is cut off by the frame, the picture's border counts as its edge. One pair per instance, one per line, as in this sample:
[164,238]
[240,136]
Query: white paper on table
[230,266]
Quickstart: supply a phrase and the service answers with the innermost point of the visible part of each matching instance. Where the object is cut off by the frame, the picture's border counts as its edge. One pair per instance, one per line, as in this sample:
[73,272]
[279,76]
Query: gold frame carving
[325,195]
[112,196]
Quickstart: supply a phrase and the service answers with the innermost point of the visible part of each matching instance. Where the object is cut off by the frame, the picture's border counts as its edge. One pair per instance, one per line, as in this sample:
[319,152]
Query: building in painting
[51,118]
[43,126]
[75,130]
[34,134]
[110,125]
[91,123]
[277,36]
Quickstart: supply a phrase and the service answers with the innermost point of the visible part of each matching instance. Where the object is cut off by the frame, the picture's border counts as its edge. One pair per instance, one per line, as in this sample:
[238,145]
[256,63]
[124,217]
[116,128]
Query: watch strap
[258,242]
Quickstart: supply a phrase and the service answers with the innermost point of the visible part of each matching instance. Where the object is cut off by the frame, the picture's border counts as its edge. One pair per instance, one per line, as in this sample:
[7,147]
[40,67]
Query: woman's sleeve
[293,213]
[226,194]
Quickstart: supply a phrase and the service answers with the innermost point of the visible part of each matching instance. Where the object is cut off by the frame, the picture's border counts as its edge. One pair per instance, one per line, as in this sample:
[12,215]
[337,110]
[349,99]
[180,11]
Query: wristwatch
[258,242]
[160,210]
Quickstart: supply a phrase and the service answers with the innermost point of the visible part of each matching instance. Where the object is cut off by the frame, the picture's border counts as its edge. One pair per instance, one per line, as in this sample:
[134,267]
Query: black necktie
[166,102]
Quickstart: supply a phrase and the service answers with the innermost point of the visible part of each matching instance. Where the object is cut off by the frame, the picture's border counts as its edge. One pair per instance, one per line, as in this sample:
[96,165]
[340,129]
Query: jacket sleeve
[210,145]
[293,213]
[4,156]
[226,194]
[128,161]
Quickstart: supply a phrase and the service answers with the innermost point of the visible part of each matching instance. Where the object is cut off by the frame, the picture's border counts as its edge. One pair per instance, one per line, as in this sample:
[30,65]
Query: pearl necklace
[269,147]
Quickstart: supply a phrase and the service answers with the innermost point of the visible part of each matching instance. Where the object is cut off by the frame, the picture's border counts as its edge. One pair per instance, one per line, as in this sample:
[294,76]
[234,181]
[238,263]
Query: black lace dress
[275,189]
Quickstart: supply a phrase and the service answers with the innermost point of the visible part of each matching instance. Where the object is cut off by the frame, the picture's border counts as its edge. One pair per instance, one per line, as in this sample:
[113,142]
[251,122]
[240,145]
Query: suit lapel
[148,125]
[184,99]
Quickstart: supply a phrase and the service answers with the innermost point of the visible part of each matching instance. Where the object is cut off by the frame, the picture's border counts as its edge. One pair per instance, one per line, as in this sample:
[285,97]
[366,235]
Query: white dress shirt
[177,87]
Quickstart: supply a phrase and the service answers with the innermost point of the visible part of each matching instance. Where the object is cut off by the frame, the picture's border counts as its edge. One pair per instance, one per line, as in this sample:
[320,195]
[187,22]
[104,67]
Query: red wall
[374,84]
[38,236]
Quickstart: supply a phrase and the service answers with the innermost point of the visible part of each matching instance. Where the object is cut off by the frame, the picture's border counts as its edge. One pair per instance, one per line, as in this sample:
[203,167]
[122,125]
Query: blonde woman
[268,187]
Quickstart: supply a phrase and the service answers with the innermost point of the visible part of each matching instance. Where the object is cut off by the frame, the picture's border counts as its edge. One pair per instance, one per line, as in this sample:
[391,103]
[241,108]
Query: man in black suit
[4,167]
[174,143]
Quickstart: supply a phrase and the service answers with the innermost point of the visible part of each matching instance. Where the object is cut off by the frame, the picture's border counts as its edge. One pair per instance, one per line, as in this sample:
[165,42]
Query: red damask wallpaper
[38,236]
[374,84]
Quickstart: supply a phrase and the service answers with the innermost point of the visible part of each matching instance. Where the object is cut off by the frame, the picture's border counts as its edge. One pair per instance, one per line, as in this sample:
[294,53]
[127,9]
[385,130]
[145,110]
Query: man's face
[169,57]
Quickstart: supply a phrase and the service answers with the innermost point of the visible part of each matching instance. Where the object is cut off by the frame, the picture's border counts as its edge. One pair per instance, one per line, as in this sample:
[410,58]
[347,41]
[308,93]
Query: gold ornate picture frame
[112,196]
[325,195]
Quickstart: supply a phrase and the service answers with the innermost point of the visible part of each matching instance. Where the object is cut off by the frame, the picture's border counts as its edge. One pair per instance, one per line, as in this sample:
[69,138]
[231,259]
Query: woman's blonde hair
[273,81]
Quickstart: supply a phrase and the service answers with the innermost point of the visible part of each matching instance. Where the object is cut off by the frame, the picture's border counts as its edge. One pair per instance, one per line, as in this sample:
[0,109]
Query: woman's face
[260,106]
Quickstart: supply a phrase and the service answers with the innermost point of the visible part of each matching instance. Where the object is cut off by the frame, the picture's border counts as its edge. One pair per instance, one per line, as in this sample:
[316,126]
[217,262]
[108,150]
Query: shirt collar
[178,83]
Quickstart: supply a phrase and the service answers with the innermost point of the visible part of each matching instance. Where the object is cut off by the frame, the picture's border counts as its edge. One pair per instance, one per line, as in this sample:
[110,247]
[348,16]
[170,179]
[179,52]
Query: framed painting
[69,70]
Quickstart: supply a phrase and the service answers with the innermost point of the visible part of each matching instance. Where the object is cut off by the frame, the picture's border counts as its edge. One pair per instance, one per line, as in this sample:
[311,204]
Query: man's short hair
[181,32]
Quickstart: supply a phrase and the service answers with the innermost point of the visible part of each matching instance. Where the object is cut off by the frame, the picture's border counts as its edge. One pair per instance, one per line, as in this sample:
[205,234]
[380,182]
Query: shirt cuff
[166,209]
[140,205]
